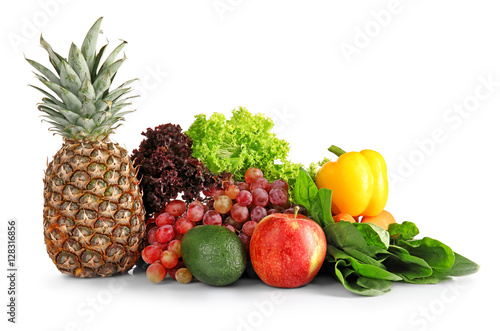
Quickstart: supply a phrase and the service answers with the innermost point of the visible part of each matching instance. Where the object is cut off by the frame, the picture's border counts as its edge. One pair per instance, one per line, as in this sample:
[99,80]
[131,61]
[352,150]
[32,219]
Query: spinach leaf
[365,258]
[374,234]
[404,231]
[366,270]
[357,284]
[344,235]
[317,202]
[321,207]
[425,280]
[435,253]
[462,267]
[305,189]
[409,267]
[374,284]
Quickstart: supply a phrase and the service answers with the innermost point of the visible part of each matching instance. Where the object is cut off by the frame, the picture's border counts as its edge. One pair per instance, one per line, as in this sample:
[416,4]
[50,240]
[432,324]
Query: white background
[399,92]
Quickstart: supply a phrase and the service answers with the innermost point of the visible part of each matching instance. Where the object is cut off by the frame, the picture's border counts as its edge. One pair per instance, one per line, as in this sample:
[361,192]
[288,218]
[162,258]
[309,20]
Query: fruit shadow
[136,281]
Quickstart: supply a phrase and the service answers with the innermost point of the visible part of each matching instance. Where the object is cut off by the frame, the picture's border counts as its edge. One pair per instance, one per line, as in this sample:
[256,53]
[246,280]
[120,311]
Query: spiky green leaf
[90,42]
[54,106]
[111,57]
[101,84]
[119,106]
[53,56]
[51,112]
[49,96]
[101,117]
[97,61]
[69,78]
[53,86]
[44,71]
[112,69]
[117,93]
[71,100]
[87,123]
[78,62]
[72,117]
[87,91]
[88,108]
[128,82]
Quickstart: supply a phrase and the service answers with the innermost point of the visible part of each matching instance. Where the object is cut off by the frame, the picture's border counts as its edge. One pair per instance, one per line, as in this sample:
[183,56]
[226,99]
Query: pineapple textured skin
[93,212]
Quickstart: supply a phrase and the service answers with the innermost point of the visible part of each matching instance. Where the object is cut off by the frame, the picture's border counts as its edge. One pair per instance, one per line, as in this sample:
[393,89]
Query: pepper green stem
[336,150]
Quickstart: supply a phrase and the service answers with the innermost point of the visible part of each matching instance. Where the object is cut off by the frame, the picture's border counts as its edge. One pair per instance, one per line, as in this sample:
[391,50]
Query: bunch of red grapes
[238,206]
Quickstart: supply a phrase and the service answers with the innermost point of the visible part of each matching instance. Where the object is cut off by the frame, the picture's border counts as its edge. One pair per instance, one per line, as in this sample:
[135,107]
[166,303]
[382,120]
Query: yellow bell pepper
[358,181]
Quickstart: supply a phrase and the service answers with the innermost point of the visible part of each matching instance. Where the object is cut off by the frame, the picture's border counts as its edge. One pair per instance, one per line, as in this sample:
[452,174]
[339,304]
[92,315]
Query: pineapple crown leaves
[79,104]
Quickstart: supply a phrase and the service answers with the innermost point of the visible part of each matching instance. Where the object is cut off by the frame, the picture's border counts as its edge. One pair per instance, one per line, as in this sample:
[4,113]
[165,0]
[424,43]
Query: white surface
[282,58]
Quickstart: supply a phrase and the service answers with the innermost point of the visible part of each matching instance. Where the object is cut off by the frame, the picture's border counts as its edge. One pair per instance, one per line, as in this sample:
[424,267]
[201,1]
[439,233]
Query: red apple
[287,250]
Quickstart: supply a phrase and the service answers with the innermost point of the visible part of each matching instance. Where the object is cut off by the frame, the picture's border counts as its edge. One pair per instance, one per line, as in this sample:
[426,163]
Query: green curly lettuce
[243,141]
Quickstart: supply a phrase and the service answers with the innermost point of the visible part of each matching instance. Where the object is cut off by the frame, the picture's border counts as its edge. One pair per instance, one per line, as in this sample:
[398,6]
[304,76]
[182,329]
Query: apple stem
[296,211]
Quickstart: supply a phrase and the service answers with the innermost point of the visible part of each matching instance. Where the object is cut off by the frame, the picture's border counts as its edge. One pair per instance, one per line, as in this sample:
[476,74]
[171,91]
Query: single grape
[230,221]
[260,197]
[195,212]
[289,211]
[248,227]
[165,233]
[260,182]
[239,213]
[223,204]
[271,211]
[279,183]
[176,208]
[152,235]
[212,217]
[171,272]
[165,219]
[258,213]
[150,226]
[244,198]
[252,174]
[151,253]
[175,246]
[156,272]
[163,246]
[232,191]
[245,239]
[183,224]
[243,186]
[195,203]
[278,196]
[183,276]
[230,227]
[218,193]
[169,259]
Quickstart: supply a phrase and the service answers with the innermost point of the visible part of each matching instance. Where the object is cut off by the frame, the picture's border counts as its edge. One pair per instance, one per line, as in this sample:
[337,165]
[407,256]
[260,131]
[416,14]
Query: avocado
[214,254]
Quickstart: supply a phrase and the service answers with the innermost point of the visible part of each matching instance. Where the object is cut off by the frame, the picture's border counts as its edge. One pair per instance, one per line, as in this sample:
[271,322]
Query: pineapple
[93,212]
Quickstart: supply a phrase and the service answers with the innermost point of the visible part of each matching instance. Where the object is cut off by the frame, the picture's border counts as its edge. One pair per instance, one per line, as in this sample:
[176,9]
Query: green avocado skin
[214,254]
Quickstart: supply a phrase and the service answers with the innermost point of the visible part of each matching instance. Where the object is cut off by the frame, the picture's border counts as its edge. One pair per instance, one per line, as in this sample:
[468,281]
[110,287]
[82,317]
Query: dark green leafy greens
[317,202]
[366,259]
